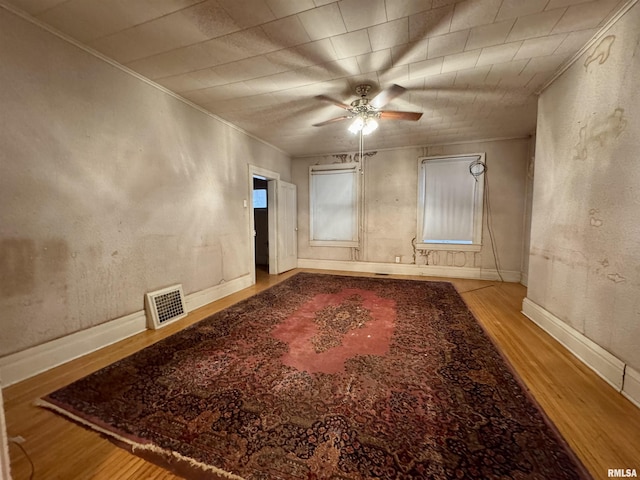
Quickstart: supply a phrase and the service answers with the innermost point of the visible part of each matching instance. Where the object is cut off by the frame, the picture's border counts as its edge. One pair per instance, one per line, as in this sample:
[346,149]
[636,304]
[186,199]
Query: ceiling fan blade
[393,115]
[387,95]
[337,119]
[337,103]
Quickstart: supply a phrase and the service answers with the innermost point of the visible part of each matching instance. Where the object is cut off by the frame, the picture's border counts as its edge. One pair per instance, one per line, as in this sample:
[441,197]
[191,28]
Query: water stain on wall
[600,131]
[600,52]
[25,264]
[616,278]
[593,220]
[17,264]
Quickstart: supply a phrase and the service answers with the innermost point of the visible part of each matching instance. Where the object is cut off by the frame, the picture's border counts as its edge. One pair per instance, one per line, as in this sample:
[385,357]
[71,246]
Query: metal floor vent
[165,306]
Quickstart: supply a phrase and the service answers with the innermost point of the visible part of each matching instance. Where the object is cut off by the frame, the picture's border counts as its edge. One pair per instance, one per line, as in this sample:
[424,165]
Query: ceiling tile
[376,61]
[320,3]
[504,72]
[248,43]
[206,77]
[286,32]
[514,81]
[536,25]
[221,50]
[344,67]
[389,34]
[549,63]
[284,8]
[409,52]
[539,47]
[425,68]
[181,83]
[518,8]
[323,22]
[460,61]
[358,14]
[404,8]
[442,80]
[563,3]
[248,13]
[498,53]
[430,23]
[575,40]
[488,35]
[208,18]
[287,80]
[317,52]
[245,69]
[223,92]
[472,76]
[442,3]
[262,85]
[447,44]
[351,44]
[471,13]
[394,75]
[175,62]
[584,16]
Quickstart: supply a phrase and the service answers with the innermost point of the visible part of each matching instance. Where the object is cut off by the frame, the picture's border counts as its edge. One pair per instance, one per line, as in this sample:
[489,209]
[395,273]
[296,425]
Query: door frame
[5,470]
[272,177]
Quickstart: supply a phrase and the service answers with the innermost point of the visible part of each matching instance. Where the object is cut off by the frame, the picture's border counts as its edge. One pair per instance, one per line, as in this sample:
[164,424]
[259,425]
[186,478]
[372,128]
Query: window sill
[455,247]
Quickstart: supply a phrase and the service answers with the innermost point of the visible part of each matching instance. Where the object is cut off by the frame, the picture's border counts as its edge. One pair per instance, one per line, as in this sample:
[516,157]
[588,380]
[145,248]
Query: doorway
[261,224]
[278,236]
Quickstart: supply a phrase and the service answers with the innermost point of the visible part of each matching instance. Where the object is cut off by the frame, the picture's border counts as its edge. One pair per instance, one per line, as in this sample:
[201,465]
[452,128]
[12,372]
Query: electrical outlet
[397,259]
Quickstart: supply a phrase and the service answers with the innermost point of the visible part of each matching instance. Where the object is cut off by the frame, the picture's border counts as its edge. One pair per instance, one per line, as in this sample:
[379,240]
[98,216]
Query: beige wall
[109,188]
[528,207]
[585,239]
[390,205]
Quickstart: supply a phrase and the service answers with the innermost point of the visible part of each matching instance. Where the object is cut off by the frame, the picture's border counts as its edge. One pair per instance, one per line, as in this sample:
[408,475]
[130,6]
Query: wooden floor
[601,426]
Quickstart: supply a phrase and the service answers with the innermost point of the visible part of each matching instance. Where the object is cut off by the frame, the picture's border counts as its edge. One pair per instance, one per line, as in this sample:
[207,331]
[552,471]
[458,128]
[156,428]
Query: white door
[286,207]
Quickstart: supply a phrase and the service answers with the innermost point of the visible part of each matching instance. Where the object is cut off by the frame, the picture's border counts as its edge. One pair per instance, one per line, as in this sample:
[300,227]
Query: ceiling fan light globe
[357,125]
[369,126]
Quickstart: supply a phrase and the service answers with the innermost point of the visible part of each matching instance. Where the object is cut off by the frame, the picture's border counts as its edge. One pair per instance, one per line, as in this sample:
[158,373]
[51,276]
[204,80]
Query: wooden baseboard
[609,367]
[631,385]
[204,297]
[32,361]
[408,269]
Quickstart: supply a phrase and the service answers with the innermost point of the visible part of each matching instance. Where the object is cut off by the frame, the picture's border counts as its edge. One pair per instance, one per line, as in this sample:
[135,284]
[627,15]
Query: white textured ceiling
[472,67]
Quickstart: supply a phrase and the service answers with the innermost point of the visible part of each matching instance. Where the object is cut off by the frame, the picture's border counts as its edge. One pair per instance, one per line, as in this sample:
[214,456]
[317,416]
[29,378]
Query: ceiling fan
[365,111]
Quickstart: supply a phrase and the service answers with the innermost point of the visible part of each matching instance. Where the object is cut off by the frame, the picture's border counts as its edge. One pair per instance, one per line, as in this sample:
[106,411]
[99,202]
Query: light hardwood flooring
[600,425]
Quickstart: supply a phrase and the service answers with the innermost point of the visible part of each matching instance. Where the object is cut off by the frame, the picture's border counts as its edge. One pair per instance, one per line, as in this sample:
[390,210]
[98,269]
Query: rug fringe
[150,447]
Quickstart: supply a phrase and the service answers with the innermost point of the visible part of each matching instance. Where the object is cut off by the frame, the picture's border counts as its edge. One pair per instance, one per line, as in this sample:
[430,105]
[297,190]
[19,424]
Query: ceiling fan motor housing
[363,90]
[361,106]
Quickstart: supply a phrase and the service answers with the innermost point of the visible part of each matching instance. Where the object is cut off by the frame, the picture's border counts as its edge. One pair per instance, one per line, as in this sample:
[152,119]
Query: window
[260,198]
[333,205]
[450,195]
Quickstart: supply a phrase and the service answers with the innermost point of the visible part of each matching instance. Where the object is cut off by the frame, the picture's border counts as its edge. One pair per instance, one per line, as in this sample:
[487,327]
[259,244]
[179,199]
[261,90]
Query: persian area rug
[327,377]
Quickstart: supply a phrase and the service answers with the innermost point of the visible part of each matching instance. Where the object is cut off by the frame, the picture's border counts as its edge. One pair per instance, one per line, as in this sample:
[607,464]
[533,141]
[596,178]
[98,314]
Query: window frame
[478,207]
[327,169]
